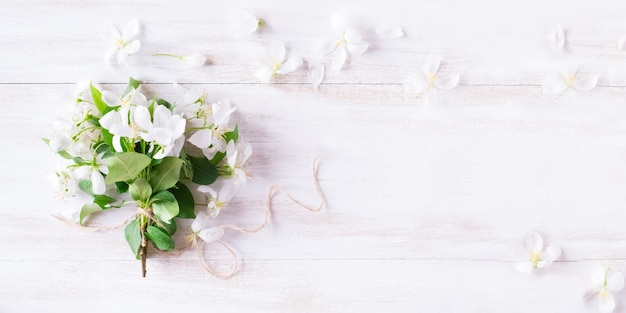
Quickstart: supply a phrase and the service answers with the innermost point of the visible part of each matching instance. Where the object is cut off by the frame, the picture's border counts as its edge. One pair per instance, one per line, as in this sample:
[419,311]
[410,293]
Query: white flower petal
[606,304]
[316,74]
[447,81]
[291,65]
[228,192]
[415,84]
[112,34]
[554,86]
[200,222]
[178,147]
[276,52]
[389,31]
[570,70]
[132,47]
[109,119]
[97,183]
[194,60]
[111,99]
[192,96]
[117,143]
[131,30]
[141,116]
[534,242]
[201,138]
[357,48]
[615,281]
[110,55]
[352,36]
[431,67]
[551,254]
[598,275]
[123,58]
[339,58]
[585,83]
[244,23]
[211,234]
[264,75]
[557,37]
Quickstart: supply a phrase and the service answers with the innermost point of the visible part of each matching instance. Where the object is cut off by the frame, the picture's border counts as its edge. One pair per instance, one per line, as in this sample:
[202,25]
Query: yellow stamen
[535,257]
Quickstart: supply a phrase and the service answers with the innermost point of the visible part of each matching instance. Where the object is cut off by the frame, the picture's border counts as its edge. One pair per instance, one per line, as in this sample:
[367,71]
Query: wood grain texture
[424,198]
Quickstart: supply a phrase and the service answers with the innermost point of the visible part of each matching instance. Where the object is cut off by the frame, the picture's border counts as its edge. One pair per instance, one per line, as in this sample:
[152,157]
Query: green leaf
[169,228]
[161,240]
[132,84]
[166,174]
[164,103]
[219,156]
[93,120]
[164,205]
[186,203]
[187,170]
[103,200]
[101,147]
[85,186]
[65,155]
[108,137]
[204,172]
[126,166]
[133,237]
[79,160]
[121,186]
[97,99]
[140,190]
[232,135]
[87,210]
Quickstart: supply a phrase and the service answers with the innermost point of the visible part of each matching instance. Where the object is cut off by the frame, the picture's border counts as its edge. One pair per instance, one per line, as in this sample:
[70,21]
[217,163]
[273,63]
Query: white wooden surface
[424,201]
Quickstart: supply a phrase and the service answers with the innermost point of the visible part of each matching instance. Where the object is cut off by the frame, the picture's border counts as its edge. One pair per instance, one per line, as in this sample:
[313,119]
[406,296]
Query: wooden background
[423,200]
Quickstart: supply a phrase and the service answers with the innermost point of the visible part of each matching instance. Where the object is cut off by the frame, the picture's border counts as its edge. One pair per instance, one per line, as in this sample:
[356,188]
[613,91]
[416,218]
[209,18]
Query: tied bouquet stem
[128,150]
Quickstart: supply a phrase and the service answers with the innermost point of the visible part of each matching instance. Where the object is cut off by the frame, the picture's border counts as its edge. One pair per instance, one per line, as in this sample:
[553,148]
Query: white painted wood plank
[295,285]
[488,43]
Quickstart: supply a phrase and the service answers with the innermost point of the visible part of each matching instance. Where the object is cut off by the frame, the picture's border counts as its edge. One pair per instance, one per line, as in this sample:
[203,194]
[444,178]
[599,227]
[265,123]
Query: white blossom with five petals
[201,227]
[217,200]
[557,84]
[123,44]
[209,138]
[606,283]
[417,84]
[273,62]
[347,41]
[534,255]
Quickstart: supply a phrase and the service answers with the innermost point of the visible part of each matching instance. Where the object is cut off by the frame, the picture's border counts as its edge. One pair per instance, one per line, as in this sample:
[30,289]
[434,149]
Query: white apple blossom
[209,137]
[217,200]
[132,98]
[245,23]
[557,84]
[123,44]
[166,132]
[273,62]
[533,254]
[93,169]
[193,60]
[606,282]
[237,155]
[417,84]
[201,228]
[346,41]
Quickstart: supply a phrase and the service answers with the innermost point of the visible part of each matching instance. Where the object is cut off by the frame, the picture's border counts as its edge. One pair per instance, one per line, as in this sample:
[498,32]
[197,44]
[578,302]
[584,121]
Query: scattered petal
[339,58]
[557,37]
[554,86]
[194,60]
[316,74]
[446,82]
[357,48]
[585,83]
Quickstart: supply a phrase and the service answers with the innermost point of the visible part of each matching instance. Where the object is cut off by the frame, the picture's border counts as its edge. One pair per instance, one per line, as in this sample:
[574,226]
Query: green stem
[180,57]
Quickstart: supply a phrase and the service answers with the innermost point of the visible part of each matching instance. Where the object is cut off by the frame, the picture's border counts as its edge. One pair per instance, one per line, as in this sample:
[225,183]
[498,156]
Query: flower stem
[180,57]
[144,244]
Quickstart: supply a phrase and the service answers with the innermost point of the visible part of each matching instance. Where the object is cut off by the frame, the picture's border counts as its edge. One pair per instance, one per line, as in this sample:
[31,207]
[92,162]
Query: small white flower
[133,98]
[273,62]
[210,139]
[557,84]
[417,84]
[217,200]
[348,41]
[606,282]
[245,23]
[123,45]
[165,131]
[193,60]
[201,228]
[316,74]
[534,255]
[557,38]
[387,31]
[237,155]
[93,170]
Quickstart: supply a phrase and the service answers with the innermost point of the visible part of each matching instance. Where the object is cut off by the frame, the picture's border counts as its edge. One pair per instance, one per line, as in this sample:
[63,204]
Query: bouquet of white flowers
[130,150]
